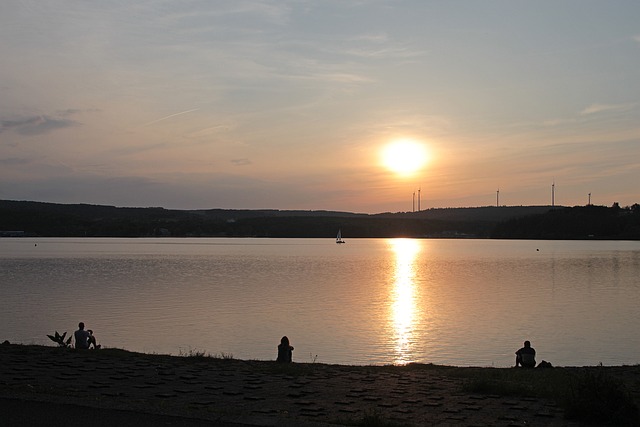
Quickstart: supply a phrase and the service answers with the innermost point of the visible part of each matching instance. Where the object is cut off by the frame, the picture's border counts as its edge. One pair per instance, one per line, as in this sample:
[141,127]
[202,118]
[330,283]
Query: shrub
[597,398]
[59,339]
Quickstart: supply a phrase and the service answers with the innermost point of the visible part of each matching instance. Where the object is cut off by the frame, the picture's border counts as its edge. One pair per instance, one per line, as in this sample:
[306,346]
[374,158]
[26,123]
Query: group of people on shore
[85,340]
[525,357]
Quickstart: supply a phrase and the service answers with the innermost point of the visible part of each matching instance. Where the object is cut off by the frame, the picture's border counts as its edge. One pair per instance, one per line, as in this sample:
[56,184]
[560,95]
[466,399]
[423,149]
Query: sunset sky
[288,104]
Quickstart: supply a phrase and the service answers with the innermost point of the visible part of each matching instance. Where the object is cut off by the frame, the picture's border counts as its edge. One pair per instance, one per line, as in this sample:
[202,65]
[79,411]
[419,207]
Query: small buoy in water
[537,249]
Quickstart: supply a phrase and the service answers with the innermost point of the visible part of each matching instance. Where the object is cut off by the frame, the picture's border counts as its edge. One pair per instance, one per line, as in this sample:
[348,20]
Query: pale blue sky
[286,104]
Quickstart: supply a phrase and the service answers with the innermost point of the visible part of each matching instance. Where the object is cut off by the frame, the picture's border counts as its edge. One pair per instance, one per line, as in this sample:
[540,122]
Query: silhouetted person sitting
[92,340]
[84,339]
[285,351]
[526,356]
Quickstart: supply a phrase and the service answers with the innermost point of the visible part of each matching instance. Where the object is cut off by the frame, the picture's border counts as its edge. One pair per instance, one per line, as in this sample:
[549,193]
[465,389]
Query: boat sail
[339,237]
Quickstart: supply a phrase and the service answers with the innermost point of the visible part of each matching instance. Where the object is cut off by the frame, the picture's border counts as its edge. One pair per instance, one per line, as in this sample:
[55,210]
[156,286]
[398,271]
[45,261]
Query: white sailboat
[339,237]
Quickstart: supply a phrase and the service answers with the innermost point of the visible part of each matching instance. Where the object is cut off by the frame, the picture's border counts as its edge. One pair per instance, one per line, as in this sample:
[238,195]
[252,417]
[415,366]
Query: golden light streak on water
[403,308]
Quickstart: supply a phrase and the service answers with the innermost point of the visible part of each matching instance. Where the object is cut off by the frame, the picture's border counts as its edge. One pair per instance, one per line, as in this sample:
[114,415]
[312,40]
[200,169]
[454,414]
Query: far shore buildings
[12,233]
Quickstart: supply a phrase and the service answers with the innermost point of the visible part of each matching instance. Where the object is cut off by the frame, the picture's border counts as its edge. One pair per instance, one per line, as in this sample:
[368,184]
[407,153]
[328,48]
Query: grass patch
[222,355]
[192,352]
[588,395]
[201,354]
[601,399]
[514,382]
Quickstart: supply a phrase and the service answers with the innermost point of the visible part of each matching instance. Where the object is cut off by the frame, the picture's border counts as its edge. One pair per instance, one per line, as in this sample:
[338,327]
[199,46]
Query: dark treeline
[580,222]
[59,220]
[531,222]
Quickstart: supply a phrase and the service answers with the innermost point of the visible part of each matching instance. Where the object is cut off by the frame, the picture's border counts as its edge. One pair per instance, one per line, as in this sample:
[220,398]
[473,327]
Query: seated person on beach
[284,351]
[526,356]
[92,340]
[84,339]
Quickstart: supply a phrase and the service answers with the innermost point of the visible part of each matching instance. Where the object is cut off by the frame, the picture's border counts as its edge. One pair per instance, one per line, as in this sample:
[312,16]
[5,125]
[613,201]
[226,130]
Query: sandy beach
[56,386]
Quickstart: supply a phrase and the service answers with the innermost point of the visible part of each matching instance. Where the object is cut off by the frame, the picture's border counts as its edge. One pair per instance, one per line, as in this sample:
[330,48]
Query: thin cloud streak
[170,116]
[599,108]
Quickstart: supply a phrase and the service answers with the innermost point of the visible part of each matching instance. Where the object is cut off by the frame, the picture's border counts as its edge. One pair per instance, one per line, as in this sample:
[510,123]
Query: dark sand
[55,386]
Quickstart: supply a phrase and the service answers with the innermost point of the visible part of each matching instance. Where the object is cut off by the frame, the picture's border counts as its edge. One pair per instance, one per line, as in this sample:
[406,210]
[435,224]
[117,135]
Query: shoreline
[53,383]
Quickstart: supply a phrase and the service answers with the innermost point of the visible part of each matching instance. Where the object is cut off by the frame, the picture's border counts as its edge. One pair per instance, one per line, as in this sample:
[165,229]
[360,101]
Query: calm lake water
[369,301]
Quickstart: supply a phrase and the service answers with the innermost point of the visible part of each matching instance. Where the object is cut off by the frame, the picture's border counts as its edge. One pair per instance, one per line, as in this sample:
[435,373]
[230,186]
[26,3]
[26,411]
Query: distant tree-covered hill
[580,222]
[533,222]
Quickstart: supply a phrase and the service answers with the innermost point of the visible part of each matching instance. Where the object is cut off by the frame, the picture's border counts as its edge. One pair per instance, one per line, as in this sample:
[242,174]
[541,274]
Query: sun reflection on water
[403,308]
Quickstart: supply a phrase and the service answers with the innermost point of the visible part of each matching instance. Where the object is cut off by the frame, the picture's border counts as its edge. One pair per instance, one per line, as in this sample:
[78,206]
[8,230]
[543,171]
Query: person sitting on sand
[92,340]
[284,351]
[84,339]
[526,356]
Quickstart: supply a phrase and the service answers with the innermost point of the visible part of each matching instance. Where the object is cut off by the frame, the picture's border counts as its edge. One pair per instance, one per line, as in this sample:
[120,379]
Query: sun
[404,156]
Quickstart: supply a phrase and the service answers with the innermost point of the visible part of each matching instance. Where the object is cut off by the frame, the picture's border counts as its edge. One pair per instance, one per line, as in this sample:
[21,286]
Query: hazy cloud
[599,108]
[241,162]
[73,111]
[194,193]
[559,122]
[340,78]
[13,161]
[36,125]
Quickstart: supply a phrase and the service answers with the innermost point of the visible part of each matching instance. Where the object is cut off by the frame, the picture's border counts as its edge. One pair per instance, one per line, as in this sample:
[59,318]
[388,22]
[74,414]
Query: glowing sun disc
[404,156]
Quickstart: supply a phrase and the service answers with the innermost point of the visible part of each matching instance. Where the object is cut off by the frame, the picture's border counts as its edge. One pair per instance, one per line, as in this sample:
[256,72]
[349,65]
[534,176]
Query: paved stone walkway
[235,392]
